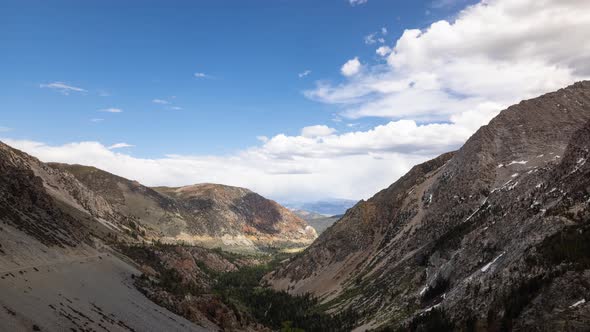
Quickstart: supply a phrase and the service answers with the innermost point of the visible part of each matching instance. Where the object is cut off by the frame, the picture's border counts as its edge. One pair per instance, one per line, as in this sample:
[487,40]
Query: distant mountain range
[318,221]
[327,207]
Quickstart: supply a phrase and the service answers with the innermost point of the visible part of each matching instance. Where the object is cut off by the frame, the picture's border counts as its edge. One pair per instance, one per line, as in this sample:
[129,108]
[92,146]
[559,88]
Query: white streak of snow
[582,301]
[423,290]
[488,265]
[521,162]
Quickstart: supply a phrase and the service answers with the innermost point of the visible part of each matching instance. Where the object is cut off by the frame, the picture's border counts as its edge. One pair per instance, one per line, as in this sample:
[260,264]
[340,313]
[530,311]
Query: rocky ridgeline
[63,204]
[493,236]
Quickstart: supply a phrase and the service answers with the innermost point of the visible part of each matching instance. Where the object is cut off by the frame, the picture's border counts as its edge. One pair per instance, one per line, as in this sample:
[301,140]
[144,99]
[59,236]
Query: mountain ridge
[412,237]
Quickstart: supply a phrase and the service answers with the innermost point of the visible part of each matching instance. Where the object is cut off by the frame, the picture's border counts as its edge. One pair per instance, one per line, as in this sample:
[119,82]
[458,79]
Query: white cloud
[176,108]
[111,110]
[357,2]
[120,146]
[305,178]
[262,139]
[96,120]
[318,163]
[383,50]
[304,73]
[62,87]
[384,31]
[370,39]
[160,101]
[317,131]
[493,53]
[373,39]
[351,67]
[438,86]
[201,75]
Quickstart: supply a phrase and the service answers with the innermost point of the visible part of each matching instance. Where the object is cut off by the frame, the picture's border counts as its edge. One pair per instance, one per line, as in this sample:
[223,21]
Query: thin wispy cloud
[120,146]
[376,37]
[175,108]
[5,129]
[160,101]
[357,2]
[446,3]
[202,75]
[96,120]
[304,73]
[111,110]
[62,87]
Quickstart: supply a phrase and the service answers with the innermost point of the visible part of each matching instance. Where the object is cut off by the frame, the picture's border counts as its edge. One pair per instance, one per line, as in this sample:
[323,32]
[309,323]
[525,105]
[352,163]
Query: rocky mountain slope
[207,214]
[491,237]
[52,235]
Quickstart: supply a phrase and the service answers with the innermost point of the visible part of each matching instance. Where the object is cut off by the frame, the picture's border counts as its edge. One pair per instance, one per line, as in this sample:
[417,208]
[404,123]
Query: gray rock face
[487,234]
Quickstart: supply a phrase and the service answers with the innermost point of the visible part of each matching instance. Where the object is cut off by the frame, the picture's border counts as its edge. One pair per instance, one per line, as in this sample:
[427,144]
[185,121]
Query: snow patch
[488,265]
[474,212]
[514,175]
[582,301]
[521,162]
[512,186]
[423,290]
[430,309]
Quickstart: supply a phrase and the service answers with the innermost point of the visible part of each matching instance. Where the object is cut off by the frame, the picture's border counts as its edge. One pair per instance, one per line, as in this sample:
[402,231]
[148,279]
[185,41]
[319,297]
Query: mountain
[318,221]
[207,214]
[327,207]
[494,236]
[52,246]
[64,227]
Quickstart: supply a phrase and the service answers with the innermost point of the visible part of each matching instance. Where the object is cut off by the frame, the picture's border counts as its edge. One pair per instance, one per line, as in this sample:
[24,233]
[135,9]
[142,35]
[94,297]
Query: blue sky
[295,99]
[126,55]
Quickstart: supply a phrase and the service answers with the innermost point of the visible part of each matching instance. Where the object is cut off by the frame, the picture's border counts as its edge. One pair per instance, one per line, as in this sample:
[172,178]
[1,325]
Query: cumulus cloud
[120,146]
[303,178]
[318,163]
[62,87]
[111,110]
[317,131]
[437,86]
[351,67]
[493,53]
[383,50]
